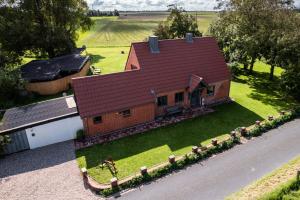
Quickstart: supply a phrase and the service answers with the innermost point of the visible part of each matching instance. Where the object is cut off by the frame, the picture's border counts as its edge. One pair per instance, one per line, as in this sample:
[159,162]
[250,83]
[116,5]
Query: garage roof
[45,70]
[36,114]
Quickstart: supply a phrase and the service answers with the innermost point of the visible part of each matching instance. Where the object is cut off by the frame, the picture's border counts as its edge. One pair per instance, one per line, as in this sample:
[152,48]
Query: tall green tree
[238,30]
[278,23]
[290,81]
[178,23]
[250,29]
[42,26]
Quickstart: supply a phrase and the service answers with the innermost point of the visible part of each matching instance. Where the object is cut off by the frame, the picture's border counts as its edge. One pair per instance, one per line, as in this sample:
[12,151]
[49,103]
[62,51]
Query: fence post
[298,175]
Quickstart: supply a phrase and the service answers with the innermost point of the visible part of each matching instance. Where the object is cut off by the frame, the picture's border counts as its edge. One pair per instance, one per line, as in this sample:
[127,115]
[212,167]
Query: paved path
[228,172]
[46,173]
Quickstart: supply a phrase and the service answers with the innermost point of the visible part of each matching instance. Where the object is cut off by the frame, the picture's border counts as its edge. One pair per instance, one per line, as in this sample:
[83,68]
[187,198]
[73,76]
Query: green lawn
[256,98]
[109,59]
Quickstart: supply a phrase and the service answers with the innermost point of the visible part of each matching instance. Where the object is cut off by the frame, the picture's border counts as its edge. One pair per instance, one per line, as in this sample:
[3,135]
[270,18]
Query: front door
[195,98]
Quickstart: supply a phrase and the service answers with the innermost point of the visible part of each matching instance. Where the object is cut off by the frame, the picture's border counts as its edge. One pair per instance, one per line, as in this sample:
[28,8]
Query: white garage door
[54,132]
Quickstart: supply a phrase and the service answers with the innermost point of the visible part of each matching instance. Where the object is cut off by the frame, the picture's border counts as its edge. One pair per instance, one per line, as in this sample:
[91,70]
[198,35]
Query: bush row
[268,125]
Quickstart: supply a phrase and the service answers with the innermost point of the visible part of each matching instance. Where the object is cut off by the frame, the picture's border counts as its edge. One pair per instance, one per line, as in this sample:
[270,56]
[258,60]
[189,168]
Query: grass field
[114,31]
[272,185]
[111,35]
[256,98]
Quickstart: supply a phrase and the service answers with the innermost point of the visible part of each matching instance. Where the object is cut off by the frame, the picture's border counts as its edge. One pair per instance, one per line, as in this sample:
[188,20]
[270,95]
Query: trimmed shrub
[80,135]
[4,140]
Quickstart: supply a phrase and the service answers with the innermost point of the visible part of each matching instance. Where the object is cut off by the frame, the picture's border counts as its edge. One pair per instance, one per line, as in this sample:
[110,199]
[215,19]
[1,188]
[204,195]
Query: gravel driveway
[45,173]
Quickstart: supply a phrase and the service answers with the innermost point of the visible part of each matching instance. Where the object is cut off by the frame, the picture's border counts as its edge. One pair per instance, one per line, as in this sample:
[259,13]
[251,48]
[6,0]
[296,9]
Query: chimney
[189,37]
[153,43]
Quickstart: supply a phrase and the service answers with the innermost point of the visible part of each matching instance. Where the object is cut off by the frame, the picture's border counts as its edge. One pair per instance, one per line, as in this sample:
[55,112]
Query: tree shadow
[96,58]
[266,91]
[178,136]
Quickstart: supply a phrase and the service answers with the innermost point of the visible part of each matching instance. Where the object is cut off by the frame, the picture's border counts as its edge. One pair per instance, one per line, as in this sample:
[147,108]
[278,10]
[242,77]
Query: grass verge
[270,186]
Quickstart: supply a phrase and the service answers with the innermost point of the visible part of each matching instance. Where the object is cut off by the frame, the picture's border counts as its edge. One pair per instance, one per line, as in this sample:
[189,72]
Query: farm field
[255,99]
[111,35]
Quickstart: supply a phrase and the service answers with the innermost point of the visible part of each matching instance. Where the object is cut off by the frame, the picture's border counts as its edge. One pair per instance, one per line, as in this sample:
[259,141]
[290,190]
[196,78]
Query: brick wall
[171,101]
[114,121]
[145,113]
[222,90]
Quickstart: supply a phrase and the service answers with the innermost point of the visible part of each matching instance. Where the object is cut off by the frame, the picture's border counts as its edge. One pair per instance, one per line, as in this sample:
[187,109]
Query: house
[159,77]
[41,124]
[47,77]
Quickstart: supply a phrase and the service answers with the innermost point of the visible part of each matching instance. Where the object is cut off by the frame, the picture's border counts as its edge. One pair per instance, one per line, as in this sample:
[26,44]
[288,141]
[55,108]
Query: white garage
[54,132]
[41,124]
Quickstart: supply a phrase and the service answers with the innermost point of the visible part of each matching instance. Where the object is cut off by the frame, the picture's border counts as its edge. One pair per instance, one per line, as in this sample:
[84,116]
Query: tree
[280,21]
[238,29]
[116,12]
[251,29]
[42,26]
[11,85]
[290,81]
[4,140]
[177,25]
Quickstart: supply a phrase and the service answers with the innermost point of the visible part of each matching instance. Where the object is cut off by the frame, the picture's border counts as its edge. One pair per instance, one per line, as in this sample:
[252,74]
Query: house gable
[132,61]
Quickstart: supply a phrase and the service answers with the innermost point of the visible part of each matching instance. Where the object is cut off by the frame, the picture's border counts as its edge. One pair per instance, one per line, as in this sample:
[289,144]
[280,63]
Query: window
[179,97]
[162,101]
[211,90]
[133,67]
[125,113]
[97,120]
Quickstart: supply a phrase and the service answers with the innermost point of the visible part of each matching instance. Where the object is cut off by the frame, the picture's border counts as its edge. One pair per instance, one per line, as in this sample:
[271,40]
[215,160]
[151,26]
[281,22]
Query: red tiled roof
[169,70]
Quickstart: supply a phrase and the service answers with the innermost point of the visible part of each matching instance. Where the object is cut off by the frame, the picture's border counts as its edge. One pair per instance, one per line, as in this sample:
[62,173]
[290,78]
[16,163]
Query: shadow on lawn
[266,91]
[96,58]
[176,137]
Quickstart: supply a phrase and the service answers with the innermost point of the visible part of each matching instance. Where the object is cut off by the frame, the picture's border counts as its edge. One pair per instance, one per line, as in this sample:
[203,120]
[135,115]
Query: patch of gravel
[46,173]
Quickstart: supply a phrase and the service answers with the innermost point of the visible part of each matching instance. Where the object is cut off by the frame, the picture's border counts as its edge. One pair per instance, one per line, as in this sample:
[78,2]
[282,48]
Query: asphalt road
[228,172]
